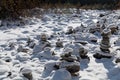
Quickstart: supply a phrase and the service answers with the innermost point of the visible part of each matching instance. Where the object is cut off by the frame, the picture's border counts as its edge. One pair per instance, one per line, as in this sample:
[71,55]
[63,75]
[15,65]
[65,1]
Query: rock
[117,60]
[23,49]
[83,54]
[101,15]
[30,43]
[9,74]
[68,57]
[70,30]
[82,51]
[26,72]
[59,43]
[99,56]
[72,67]
[74,48]
[44,37]
[61,74]
[81,42]
[29,40]
[93,39]
[94,29]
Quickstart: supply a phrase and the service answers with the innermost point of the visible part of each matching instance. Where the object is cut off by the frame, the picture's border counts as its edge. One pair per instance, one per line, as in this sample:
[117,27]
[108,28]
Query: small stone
[117,60]
[22,49]
[71,58]
[81,42]
[114,29]
[9,74]
[101,15]
[99,56]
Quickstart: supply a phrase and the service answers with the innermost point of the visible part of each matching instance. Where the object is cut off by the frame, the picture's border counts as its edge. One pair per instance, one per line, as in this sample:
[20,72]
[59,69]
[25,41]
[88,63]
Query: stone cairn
[83,53]
[59,43]
[114,29]
[30,43]
[12,45]
[70,30]
[105,42]
[96,28]
[70,62]
[68,57]
[44,40]
[104,45]
[22,49]
[43,37]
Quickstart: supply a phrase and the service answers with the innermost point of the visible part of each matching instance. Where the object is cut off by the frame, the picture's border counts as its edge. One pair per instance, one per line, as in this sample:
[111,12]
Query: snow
[55,26]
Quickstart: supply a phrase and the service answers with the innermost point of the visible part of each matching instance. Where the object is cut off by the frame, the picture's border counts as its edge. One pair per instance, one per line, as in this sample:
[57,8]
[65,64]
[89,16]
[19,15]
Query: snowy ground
[57,25]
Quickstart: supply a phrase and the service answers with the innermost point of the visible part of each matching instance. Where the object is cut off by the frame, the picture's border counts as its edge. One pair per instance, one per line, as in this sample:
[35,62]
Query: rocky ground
[55,46]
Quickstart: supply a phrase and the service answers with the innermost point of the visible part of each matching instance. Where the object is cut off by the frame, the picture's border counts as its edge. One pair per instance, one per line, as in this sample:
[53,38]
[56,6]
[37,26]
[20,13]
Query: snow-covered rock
[23,56]
[27,73]
[61,74]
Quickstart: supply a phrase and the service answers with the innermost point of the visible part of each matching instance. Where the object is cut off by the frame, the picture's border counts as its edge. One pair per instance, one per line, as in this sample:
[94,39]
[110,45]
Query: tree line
[13,7]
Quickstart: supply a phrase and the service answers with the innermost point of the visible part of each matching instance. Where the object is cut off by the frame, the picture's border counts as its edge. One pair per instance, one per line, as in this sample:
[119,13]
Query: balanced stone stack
[68,57]
[30,43]
[43,37]
[70,30]
[23,49]
[105,42]
[83,53]
[71,64]
[96,28]
[59,43]
[44,40]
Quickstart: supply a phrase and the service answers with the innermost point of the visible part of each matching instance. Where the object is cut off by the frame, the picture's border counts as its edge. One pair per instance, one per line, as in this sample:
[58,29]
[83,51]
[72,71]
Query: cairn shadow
[110,66]
[83,64]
